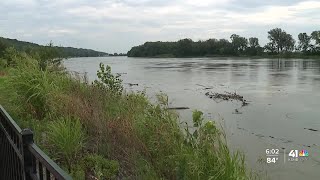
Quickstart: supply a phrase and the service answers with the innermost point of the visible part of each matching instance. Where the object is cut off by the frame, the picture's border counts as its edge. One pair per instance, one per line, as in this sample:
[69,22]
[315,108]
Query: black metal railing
[20,157]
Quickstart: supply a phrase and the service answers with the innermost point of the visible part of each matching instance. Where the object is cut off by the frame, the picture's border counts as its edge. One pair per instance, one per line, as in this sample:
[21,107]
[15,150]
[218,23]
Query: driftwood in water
[310,129]
[226,97]
[178,108]
[132,84]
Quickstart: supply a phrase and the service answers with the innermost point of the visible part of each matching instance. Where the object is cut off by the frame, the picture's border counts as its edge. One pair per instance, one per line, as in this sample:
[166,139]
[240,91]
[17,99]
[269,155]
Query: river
[283,111]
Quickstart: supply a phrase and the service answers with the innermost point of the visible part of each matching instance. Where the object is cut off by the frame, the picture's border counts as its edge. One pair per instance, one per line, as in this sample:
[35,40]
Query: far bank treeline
[281,44]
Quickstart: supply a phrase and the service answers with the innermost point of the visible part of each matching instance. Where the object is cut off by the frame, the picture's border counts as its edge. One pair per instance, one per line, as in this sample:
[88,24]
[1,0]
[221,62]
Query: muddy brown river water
[283,95]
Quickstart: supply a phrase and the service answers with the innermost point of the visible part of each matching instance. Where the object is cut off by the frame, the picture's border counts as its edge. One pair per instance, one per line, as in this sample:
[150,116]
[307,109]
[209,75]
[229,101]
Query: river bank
[97,130]
[281,94]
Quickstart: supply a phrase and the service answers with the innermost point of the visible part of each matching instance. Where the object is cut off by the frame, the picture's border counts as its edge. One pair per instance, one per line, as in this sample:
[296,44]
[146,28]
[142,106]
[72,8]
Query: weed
[67,137]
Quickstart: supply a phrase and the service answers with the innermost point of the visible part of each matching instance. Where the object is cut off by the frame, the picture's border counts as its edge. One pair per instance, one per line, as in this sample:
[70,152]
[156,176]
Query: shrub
[209,157]
[12,57]
[107,80]
[3,63]
[47,56]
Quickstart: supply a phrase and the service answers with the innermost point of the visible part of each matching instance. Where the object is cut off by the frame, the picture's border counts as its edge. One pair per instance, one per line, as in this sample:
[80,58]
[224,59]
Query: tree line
[280,43]
[63,51]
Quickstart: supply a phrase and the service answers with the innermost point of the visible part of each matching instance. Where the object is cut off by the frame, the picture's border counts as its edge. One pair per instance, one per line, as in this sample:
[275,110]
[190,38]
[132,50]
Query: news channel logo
[296,155]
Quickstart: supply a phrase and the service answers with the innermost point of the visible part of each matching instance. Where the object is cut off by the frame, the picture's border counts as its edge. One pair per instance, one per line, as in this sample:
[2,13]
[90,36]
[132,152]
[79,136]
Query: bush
[210,156]
[107,80]
[3,63]
[11,57]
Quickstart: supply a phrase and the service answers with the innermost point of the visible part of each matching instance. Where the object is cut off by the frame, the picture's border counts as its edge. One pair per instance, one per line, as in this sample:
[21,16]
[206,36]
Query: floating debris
[132,84]
[178,108]
[236,111]
[226,97]
[310,129]
[205,87]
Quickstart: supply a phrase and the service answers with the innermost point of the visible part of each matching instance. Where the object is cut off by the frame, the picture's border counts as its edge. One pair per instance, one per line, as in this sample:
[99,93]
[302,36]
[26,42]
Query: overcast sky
[117,25]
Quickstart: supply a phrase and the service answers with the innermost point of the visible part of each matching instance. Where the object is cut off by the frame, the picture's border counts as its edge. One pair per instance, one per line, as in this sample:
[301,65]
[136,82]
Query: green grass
[66,138]
[120,135]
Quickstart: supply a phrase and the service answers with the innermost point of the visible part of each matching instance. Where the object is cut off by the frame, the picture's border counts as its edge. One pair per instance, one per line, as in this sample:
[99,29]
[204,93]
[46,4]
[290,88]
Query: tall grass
[76,120]
[66,138]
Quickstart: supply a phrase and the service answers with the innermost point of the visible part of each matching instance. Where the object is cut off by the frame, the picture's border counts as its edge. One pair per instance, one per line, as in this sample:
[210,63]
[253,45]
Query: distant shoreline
[292,56]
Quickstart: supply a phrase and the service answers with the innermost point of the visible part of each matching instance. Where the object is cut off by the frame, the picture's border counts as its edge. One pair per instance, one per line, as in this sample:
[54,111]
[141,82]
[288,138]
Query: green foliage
[183,48]
[3,46]
[47,56]
[304,42]
[197,118]
[197,153]
[315,35]
[254,48]
[207,152]
[12,56]
[35,87]
[239,43]
[107,80]
[280,41]
[254,42]
[65,52]
[3,63]
[100,167]
[67,137]
[73,118]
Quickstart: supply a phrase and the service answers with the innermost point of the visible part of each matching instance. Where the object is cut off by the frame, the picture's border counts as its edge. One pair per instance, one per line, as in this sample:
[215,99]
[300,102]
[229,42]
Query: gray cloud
[117,25]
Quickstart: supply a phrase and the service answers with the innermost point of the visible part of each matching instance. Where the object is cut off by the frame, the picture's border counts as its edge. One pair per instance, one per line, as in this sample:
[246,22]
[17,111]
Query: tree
[315,35]
[254,42]
[280,40]
[3,46]
[184,47]
[254,47]
[48,55]
[11,55]
[288,42]
[239,43]
[211,46]
[304,42]
[270,47]
[225,47]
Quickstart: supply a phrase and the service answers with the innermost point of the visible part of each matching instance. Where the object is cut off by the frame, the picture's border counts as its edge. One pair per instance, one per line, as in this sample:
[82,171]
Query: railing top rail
[12,123]
[57,172]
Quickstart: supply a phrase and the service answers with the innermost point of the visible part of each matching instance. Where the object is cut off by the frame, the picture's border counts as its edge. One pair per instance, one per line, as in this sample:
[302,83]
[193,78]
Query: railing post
[27,139]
